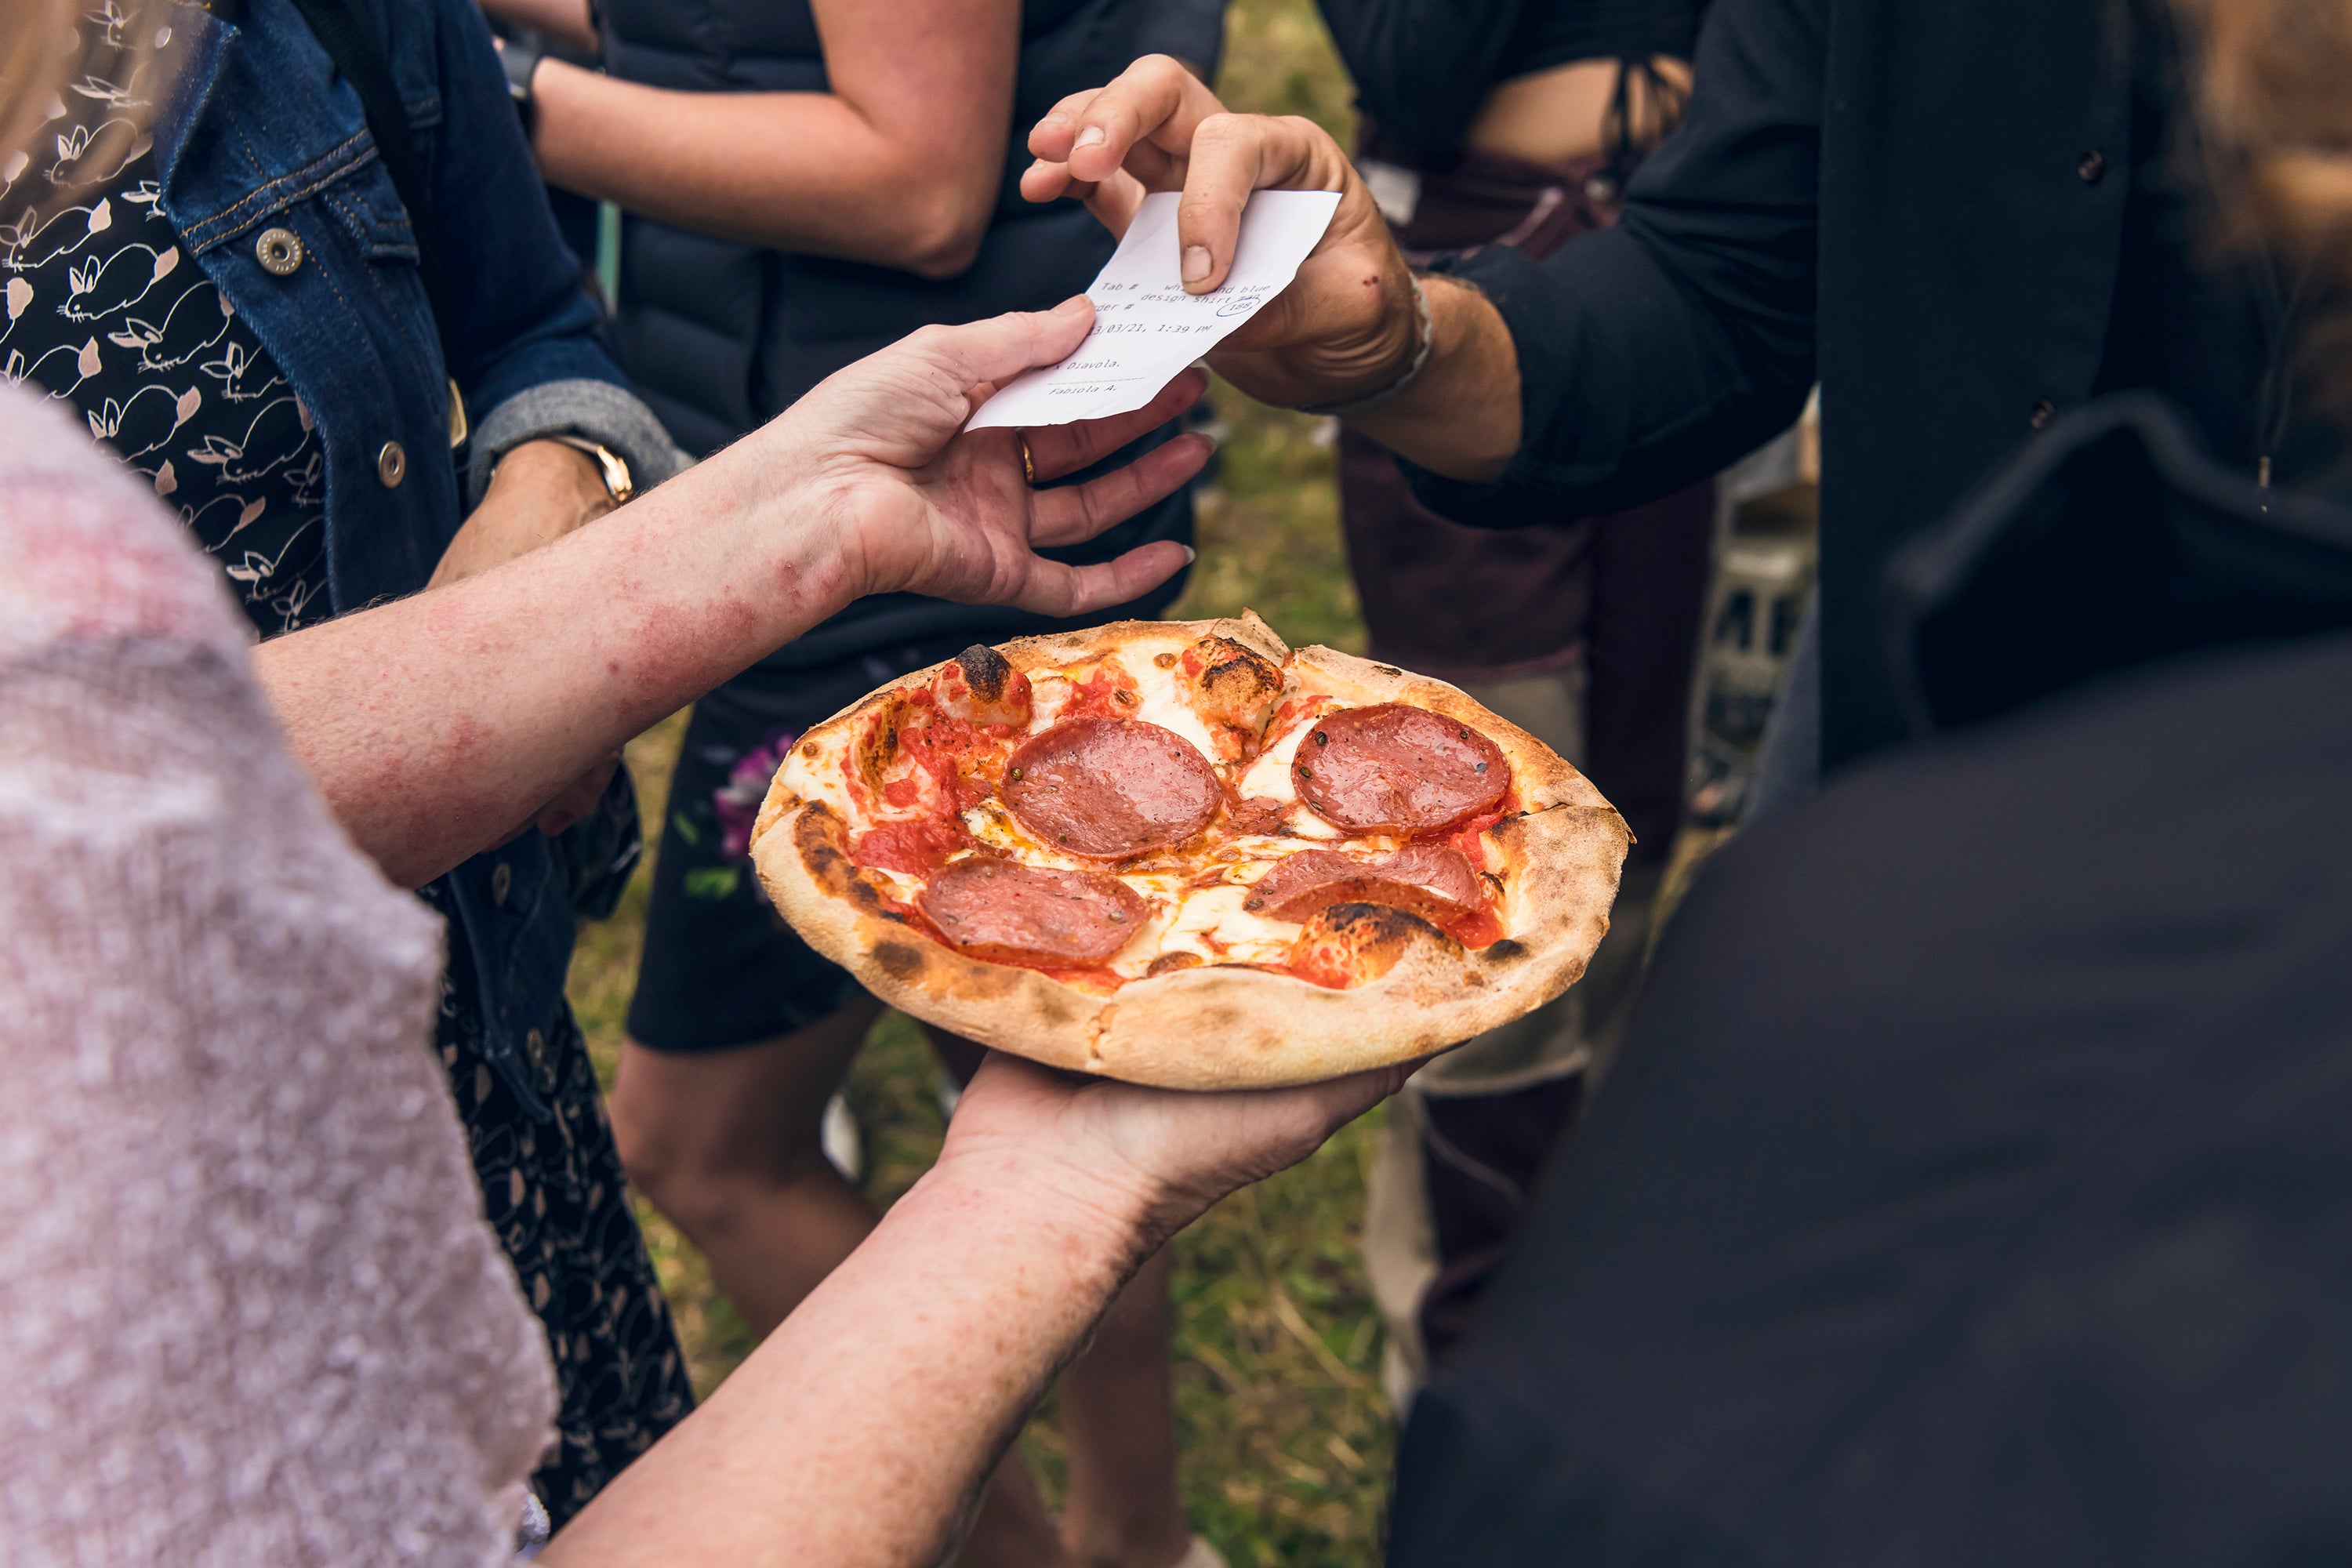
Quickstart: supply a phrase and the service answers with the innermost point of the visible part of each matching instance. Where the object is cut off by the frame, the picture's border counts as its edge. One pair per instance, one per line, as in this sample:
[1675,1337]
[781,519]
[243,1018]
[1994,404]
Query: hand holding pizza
[1150,1160]
[919,505]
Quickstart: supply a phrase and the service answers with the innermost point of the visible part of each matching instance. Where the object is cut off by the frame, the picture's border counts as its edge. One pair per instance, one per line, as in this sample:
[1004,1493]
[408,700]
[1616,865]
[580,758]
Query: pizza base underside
[1223,1026]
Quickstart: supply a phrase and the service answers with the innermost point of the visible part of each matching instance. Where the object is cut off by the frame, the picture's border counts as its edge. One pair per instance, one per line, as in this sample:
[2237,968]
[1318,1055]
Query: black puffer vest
[720,337]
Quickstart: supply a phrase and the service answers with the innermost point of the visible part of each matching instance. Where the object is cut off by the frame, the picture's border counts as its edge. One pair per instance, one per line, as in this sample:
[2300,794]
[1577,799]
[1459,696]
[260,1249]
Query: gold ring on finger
[1028,463]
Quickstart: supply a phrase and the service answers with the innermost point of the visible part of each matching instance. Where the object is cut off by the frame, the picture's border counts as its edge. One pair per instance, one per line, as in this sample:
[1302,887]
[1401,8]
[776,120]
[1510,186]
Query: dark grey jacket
[719,337]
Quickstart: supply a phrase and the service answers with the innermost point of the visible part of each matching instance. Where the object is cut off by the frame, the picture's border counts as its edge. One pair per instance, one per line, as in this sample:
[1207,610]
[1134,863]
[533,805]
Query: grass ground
[1285,1432]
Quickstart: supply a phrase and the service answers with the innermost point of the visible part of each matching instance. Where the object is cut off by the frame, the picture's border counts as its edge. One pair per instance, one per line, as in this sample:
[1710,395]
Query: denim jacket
[256,134]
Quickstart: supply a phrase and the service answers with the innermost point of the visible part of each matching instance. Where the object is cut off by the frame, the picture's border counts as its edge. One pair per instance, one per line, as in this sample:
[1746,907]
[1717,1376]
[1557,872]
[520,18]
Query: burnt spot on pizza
[1383,924]
[823,845]
[1510,834]
[1351,944]
[1388,670]
[818,836]
[1509,950]
[898,961]
[1169,963]
[877,745]
[1234,688]
[1236,677]
[985,671]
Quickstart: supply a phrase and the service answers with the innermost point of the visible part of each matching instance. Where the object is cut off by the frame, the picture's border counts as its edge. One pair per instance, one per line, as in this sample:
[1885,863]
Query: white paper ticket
[1147,329]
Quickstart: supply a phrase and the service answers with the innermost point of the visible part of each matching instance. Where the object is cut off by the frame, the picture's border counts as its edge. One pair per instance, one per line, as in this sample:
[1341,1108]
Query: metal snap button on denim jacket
[274,186]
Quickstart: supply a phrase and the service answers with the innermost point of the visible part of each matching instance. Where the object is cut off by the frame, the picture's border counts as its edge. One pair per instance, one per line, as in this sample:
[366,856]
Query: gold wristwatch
[618,482]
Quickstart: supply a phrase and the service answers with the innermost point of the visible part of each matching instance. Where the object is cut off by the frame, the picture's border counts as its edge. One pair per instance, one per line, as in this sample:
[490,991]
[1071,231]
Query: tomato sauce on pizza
[1139,810]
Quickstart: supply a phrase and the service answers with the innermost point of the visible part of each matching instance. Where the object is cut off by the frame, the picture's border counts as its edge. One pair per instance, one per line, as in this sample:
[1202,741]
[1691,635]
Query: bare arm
[1646,355]
[565,21]
[436,725]
[539,492]
[898,164]
[858,1434]
[1346,327]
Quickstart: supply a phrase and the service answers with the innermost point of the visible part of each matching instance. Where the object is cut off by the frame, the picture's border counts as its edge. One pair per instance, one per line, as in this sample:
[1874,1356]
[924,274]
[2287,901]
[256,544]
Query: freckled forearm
[437,726]
[861,1430]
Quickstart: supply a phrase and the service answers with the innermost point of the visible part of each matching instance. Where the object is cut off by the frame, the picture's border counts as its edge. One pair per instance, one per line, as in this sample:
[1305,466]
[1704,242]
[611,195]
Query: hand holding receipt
[1146,328]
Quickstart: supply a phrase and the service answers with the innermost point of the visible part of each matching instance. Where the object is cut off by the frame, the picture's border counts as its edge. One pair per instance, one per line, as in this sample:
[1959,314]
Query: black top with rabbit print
[107,313]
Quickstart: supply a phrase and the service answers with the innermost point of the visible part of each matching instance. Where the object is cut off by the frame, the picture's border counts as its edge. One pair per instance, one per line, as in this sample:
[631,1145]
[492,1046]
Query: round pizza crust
[1231,1027]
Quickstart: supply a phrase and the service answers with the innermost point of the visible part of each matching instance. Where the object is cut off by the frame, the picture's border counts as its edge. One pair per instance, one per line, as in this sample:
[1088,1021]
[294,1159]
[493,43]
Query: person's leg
[726,1143]
[1118,1410]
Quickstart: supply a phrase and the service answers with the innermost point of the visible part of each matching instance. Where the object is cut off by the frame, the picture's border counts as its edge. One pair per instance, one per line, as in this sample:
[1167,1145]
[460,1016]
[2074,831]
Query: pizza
[1180,853]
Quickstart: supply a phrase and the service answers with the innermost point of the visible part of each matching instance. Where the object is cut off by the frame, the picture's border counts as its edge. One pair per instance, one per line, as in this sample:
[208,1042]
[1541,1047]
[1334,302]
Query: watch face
[618,482]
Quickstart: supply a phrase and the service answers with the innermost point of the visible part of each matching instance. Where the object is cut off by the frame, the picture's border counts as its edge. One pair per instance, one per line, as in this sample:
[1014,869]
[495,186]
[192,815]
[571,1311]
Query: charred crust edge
[1228,661]
[985,671]
[824,846]
[1382,923]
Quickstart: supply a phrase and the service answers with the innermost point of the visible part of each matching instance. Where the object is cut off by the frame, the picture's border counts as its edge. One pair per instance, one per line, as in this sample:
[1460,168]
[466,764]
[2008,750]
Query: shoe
[838,1136]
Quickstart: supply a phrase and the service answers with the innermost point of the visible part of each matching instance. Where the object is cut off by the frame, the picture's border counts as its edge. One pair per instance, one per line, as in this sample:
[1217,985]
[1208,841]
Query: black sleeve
[1655,353]
[1423,67]
[1191,30]
[1612,29]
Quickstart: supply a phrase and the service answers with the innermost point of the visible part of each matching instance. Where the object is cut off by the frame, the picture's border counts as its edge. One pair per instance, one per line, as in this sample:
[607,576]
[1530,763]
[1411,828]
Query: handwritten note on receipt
[1147,329]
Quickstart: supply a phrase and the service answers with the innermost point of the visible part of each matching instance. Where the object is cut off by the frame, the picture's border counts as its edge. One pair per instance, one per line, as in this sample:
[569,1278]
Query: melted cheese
[1163,701]
[1206,921]
[1212,922]
[1268,777]
[991,824]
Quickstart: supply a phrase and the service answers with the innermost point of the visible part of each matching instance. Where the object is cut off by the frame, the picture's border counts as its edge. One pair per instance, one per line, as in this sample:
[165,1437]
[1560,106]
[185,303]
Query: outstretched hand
[919,505]
[1344,328]
[1153,1158]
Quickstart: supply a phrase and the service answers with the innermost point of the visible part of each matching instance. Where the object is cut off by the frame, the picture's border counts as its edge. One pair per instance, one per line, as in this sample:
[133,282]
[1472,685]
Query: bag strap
[346,32]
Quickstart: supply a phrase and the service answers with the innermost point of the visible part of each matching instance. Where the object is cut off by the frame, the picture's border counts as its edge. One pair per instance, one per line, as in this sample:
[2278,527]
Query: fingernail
[1190,555]
[1071,305]
[1196,262]
[1092,136]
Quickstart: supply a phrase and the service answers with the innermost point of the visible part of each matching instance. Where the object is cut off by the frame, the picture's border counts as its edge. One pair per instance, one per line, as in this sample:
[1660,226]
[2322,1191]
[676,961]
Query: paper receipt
[1147,329]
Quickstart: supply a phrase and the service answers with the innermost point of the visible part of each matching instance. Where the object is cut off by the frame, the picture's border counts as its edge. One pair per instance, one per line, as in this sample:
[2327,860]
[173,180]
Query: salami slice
[1108,788]
[1257,815]
[1397,769]
[1435,881]
[1003,910]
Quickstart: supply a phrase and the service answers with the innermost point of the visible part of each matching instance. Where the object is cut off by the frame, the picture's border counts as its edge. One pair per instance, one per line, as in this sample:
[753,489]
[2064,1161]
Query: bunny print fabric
[107,313]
